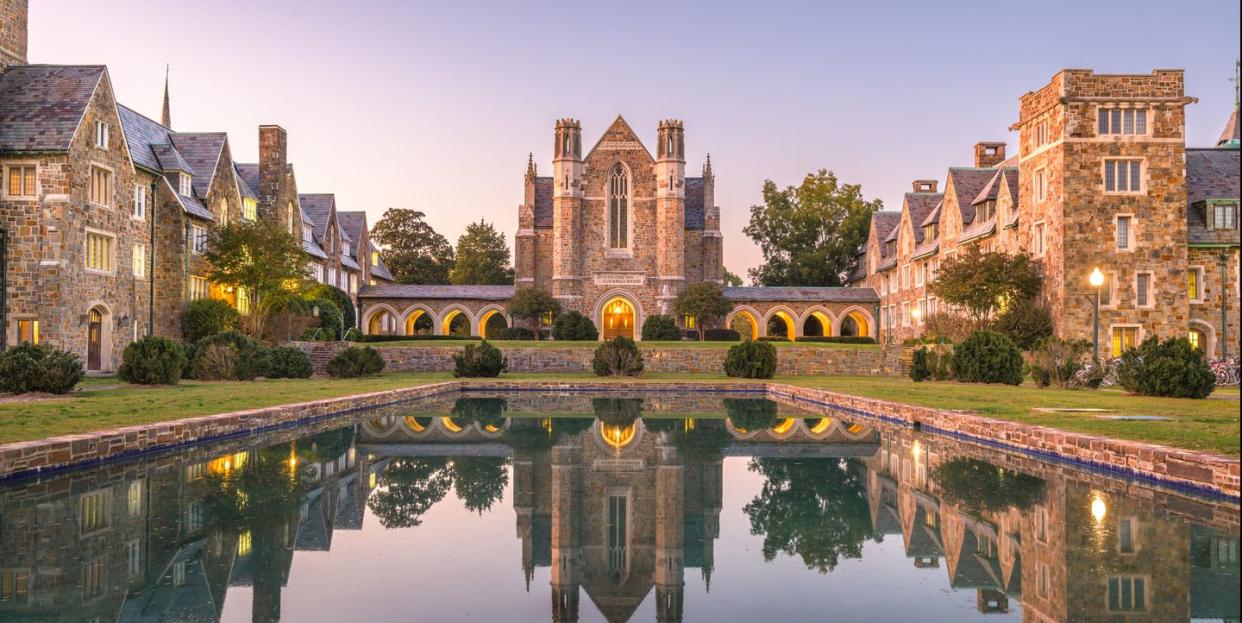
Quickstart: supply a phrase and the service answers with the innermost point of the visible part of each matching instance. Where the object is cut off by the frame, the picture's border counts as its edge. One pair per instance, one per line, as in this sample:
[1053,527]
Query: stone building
[1102,179]
[616,234]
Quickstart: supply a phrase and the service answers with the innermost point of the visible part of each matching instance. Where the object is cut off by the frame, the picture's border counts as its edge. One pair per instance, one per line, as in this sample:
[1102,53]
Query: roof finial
[531,170]
[707,167]
[166,116]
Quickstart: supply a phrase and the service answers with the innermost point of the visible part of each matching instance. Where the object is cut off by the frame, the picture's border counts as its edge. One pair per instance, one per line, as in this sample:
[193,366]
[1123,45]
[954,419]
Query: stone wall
[791,360]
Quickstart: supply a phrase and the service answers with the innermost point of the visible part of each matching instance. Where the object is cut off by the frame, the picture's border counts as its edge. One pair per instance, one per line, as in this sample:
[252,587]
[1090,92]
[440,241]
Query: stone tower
[525,244]
[670,172]
[713,240]
[567,210]
[14,17]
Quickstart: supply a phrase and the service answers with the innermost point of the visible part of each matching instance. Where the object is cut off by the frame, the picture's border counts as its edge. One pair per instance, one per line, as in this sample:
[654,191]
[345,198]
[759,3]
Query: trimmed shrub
[153,360]
[721,335]
[516,333]
[479,360]
[207,317]
[839,339]
[340,299]
[751,360]
[1170,368]
[618,357]
[988,357]
[660,328]
[572,326]
[919,369]
[356,361]
[287,362]
[1057,361]
[419,338]
[1027,324]
[39,368]
[940,364]
[228,355]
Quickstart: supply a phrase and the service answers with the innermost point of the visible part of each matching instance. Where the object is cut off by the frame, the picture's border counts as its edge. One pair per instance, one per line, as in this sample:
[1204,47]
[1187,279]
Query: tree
[982,283]
[482,257]
[480,481]
[413,251]
[706,302]
[408,488]
[262,260]
[809,234]
[731,279]
[533,305]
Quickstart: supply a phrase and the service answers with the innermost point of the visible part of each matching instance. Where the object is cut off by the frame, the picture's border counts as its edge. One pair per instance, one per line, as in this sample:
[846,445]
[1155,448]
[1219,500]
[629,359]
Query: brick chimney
[925,186]
[14,18]
[273,162]
[989,154]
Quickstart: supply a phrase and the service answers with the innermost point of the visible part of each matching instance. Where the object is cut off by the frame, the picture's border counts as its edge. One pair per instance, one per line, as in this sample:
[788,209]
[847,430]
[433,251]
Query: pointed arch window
[618,208]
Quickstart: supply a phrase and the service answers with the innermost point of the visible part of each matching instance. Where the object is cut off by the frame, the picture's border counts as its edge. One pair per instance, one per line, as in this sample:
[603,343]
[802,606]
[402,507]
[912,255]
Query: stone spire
[166,115]
[1230,137]
[531,170]
[707,167]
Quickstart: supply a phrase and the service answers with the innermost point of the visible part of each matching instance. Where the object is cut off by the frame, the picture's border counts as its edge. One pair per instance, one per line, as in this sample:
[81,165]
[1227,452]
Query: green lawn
[592,344]
[1211,425]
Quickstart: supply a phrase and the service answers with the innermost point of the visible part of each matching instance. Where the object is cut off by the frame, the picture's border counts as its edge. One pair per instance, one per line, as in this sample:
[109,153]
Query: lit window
[1194,284]
[250,209]
[140,260]
[243,301]
[1123,176]
[1142,290]
[1127,594]
[134,497]
[21,181]
[1123,232]
[99,254]
[199,288]
[101,186]
[1124,338]
[140,202]
[14,586]
[93,578]
[1196,339]
[93,511]
[688,320]
[375,258]
[1122,121]
[102,134]
[198,239]
[27,331]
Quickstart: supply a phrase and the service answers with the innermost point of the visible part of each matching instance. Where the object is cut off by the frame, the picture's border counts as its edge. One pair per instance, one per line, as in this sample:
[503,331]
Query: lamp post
[1096,279]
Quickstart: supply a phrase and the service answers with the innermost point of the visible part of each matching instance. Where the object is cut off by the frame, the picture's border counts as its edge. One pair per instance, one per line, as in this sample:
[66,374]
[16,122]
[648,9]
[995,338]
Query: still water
[618,507]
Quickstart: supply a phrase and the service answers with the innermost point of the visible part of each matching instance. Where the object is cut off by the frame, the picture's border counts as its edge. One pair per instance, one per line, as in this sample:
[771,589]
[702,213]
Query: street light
[1096,279]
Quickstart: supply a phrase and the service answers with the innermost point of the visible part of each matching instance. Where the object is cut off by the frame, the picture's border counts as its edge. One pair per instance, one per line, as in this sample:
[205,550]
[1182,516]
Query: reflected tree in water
[480,481]
[408,488]
[977,485]
[704,442]
[617,411]
[751,414]
[326,446]
[485,411]
[815,509]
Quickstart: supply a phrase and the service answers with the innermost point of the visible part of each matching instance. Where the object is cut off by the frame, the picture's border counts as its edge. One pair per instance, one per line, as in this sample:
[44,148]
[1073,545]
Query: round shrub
[618,357]
[152,360]
[660,328]
[1027,325]
[919,369]
[988,357]
[721,335]
[39,368]
[574,327]
[330,316]
[228,355]
[287,362]
[1170,368]
[207,317]
[356,361]
[480,360]
[340,299]
[751,360]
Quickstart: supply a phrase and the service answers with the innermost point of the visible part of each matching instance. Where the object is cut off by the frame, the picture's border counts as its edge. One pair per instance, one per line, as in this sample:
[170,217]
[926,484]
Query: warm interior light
[1096,278]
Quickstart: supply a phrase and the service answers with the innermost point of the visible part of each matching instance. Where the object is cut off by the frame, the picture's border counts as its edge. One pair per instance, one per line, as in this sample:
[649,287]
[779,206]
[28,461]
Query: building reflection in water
[618,498]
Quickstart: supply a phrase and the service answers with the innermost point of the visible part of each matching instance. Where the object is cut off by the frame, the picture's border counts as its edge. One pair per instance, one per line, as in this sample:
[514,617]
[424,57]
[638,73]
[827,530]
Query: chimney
[273,162]
[14,17]
[989,154]
[925,186]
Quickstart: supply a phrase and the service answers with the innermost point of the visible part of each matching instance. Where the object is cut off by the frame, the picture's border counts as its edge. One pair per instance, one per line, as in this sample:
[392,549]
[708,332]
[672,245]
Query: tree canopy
[413,251]
[809,234]
[259,258]
[731,279]
[482,257]
[706,302]
[982,283]
[532,305]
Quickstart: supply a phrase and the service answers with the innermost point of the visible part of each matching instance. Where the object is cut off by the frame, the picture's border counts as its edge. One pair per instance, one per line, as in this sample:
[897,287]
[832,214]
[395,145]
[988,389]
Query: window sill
[98,205]
[101,273]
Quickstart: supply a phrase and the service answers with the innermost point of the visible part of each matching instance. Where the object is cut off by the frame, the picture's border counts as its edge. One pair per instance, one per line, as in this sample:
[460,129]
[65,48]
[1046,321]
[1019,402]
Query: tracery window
[618,208]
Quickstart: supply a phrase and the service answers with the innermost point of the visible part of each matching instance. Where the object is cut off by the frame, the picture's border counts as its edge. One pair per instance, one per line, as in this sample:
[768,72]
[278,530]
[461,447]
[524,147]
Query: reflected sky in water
[575,507]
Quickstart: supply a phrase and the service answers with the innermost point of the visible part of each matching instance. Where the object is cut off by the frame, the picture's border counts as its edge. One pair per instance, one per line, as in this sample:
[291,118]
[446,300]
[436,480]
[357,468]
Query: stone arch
[372,321]
[820,315]
[98,338]
[445,321]
[861,319]
[412,314]
[854,430]
[414,427]
[608,297]
[380,426]
[486,314]
[750,315]
[820,428]
[1208,333]
[784,315]
[785,428]
[491,432]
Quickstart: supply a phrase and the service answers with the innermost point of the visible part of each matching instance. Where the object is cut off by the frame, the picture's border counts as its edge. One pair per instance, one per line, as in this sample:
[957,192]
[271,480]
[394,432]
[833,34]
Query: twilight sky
[435,105]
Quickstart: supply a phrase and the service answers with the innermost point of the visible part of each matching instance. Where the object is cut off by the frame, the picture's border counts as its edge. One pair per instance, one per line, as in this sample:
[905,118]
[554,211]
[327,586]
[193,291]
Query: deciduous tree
[482,257]
[533,305]
[982,283]
[706,302]
[261,260]
[413,251]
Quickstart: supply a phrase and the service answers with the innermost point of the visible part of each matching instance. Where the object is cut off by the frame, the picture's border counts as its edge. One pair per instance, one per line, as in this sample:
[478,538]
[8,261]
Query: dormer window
[102,134]
[345,248]
[929,232]
[184,184]
[1222,216]
[250,209]
[985,211]
[306,233]
[890,247]
[375,258]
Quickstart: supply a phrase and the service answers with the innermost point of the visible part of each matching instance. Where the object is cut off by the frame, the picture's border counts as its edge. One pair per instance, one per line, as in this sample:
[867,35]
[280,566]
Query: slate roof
[142,135]
[244,187]
[41,106]
[933,216]
[695,210]
[992,188]
[202,150]
[348,262]
[249,173]
[318,208]
[169,159]
[925,249]
[1210,174]
[967,183]
[312,248]
[1011,180]
[919,205]
[978,230]
[352,223]
[381,270]
[479,293]
[194,207]
[885,224]
[801,294]
[888,263]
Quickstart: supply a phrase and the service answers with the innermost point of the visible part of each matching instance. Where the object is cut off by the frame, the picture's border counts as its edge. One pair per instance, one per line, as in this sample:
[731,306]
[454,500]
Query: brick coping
[1186,471]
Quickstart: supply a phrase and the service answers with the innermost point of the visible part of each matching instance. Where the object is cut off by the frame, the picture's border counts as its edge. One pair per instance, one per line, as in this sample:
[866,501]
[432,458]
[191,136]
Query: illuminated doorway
[618,319]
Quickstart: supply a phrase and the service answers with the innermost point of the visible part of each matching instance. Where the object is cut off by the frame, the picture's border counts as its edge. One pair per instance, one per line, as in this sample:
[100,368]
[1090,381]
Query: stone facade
[1067,199]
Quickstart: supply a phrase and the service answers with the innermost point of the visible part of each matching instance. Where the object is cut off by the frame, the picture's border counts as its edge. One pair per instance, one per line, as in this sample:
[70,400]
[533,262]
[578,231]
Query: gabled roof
[41,106]
[919,205]
[249,173]
[1210,174]
[169,159]
[481,293]
[1230,137]
[380,269]
[348,262]
[318,208]
[933,216]
[620,125]
[967,183]
[202,150]
[243,187]
[885,223]
[799,294]
[142,134]
[193,207]
[992,188]
[352,223]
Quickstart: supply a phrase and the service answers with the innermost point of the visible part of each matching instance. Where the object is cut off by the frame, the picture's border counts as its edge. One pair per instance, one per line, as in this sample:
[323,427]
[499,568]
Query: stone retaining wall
[791,360]
[1180,469]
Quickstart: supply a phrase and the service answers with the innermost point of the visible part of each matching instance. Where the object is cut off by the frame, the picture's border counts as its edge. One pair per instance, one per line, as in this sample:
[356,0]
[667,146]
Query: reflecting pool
[608,507]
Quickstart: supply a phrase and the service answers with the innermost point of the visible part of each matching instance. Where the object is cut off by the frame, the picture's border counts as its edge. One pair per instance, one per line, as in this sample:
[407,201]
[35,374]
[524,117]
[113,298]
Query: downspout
[1224,301]
[151,212]
[4,288]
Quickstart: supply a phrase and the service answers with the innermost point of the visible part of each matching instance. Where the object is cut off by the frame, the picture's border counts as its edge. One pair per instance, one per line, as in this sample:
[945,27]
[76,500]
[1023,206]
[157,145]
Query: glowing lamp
[1097,278]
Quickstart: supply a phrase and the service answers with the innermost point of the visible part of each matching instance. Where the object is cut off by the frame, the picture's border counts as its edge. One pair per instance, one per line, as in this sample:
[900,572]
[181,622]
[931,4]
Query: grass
[593,344]
[1209,425]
